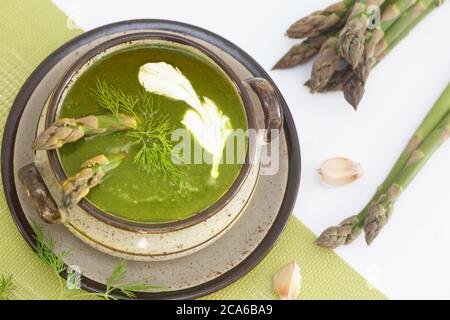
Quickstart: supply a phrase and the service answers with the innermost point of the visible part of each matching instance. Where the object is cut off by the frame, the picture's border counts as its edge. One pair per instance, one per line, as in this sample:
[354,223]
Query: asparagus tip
[342,234]
[280,65]
[377,218]
[353,90]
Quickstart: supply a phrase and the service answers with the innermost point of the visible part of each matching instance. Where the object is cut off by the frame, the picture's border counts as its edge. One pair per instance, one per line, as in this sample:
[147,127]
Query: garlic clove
[287,282]
[339,171]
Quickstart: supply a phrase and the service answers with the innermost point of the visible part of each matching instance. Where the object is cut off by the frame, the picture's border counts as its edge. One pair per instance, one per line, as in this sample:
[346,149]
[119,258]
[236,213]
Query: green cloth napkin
[29,31]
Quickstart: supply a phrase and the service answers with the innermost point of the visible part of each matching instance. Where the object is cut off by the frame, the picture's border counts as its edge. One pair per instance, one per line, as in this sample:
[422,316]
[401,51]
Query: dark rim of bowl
[88,206]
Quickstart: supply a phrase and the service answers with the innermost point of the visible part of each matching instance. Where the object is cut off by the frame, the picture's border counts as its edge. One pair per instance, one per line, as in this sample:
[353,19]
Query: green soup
[128,192]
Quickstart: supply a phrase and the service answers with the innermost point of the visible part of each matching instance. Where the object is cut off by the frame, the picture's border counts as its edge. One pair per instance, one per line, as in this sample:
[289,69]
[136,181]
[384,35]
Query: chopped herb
[6,287]
[117,276]
[45,246]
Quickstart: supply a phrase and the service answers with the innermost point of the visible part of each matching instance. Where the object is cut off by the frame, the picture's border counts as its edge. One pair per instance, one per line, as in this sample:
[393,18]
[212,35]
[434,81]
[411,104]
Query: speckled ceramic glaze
[151,242]
[228,258]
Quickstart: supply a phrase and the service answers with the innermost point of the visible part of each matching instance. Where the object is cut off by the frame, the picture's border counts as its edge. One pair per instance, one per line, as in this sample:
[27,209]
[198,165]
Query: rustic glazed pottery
[145,241]
[226,260]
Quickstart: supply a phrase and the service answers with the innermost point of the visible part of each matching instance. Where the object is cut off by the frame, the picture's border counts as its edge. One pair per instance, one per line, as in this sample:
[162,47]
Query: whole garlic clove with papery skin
[339,171]
[287,282]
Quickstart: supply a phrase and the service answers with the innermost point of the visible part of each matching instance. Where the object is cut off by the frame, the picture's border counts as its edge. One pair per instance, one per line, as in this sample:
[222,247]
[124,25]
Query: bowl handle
[270,102]
[39,194]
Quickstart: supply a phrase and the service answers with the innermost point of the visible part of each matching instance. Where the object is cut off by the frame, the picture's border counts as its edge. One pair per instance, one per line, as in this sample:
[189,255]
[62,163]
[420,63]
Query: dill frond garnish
[152,137]
[6,287]
[155,149]
[149,103]
[113,283]
[45,247]
[155,155]
[113,99]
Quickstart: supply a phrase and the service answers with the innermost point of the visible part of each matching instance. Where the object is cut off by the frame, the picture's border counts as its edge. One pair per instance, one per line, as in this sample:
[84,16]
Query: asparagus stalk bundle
[70,130]
[320,79]
[409,12]
[352,42]
[93,172]
[433,131]
[342,79]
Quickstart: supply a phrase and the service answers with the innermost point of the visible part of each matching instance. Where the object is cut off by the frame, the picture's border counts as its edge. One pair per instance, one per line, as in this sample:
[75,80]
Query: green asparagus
[352,37]
[328,239]
[381,209]
[321,21]
[93,173]
[70,130]
[359,44]
[301,52]
[331,52]
[325,64]
[337,81]
[397,17]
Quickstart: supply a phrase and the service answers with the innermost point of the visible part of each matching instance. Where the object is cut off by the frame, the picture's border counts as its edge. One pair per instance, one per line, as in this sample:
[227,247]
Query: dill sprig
[6,287]
[155,146]
[113,283]
[113,99]
[45,247]
[152,137]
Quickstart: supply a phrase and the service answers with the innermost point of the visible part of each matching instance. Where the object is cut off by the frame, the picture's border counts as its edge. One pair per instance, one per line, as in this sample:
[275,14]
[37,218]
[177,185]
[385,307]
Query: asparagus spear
[335,83]
[342,234]
[320,21]
[325,64]
[93,172]
[300,53]
[70,130]
[381,210]
[332,51]
[354,86]
[339,235]
[318,27]
[352,37]
[395,35]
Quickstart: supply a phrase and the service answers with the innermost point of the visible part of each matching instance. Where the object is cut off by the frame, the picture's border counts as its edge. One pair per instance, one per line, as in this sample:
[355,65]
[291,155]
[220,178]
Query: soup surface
[128,192]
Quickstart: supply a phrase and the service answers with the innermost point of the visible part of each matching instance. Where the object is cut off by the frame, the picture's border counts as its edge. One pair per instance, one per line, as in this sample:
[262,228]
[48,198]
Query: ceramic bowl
[139,241]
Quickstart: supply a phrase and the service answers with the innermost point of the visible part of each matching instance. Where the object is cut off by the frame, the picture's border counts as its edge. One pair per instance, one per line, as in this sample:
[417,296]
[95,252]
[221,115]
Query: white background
[411,257]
